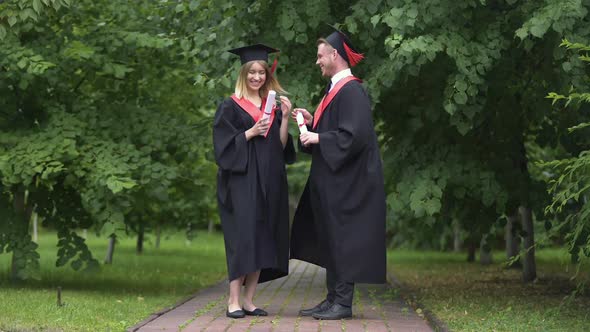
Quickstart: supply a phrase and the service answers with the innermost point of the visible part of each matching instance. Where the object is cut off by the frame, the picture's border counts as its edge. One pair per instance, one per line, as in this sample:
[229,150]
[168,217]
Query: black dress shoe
[235,314]
[336,311]
[325,304]
[256,312]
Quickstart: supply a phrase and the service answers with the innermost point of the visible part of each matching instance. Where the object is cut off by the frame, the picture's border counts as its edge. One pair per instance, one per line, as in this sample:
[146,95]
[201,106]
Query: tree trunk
[211,227]
[23,217]
[471,251]
[111,249]
[457,241]
[189,234]
[512,241]
[35,224]
[158,234]
[529,271]
[140,236]
[485,252]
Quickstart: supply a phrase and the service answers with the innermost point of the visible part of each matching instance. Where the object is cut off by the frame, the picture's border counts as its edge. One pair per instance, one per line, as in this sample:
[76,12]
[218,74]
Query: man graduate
[339,223]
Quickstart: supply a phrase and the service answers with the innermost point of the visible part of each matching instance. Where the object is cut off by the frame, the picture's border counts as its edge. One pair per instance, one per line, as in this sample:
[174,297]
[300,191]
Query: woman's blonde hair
[271,82]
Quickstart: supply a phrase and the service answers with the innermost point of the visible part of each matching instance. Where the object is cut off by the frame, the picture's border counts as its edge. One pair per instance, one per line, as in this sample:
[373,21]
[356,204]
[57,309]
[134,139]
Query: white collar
[340,75]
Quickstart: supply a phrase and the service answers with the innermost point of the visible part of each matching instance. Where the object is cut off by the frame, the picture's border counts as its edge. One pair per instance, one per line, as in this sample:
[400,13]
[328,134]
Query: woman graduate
[251,153]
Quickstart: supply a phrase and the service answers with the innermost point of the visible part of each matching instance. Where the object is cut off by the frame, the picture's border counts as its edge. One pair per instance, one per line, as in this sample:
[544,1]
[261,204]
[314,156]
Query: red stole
[255,112]
[328,98]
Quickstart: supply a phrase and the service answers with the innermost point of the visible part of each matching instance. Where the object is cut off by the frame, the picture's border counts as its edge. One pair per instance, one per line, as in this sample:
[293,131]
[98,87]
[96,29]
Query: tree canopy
[105,109]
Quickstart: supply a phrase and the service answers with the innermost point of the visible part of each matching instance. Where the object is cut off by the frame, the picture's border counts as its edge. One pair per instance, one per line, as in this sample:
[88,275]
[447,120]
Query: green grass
[118,296]
[467,297]
[471,297]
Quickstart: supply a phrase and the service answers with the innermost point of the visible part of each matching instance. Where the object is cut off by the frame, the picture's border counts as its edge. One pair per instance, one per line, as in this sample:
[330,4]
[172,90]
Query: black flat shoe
[335,312]
[235,314]
[323,306]
[256,312]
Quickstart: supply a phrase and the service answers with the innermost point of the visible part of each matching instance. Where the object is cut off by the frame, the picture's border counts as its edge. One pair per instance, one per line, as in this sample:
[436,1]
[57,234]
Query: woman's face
[256,77]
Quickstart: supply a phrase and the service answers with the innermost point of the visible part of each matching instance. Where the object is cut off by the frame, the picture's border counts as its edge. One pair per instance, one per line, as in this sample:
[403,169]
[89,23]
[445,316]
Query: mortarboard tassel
[274,65]
[353,57]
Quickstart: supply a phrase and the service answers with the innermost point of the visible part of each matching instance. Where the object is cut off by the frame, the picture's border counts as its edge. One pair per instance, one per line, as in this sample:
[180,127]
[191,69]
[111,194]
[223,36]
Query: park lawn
[471,297]
[118,296]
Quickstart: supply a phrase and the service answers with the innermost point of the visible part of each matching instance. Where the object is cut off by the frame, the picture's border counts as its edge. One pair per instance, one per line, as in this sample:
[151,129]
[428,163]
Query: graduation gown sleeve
[229,142]
[353,131]
[289,151]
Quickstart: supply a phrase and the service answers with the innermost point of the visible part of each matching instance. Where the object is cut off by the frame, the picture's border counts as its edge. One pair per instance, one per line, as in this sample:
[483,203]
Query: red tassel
[353,57]
[274,65]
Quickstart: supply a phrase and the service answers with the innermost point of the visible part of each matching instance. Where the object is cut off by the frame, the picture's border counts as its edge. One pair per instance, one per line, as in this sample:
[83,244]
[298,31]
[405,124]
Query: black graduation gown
[339,223]
[252,194]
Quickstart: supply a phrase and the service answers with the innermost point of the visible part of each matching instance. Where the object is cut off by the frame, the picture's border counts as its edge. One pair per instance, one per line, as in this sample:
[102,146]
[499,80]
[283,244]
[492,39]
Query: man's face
[326,58]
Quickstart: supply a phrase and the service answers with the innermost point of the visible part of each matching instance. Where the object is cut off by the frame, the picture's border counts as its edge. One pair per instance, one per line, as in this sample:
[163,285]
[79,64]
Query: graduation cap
[255,52]
[340,41]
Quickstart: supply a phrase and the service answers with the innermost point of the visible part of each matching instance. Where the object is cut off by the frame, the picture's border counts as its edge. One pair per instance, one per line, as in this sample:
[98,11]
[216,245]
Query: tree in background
[570,182]
[110,102]
[99,122]
[460,87]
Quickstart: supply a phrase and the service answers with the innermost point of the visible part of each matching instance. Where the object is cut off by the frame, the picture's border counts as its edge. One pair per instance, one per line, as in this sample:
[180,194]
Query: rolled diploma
[301,123]
[269,104]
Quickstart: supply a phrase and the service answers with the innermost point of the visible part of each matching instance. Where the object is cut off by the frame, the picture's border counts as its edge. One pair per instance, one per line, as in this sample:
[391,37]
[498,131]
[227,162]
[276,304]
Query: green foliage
[460,102]
[558,15]
[570,183]
[109,103]
[70,244]
[100,122]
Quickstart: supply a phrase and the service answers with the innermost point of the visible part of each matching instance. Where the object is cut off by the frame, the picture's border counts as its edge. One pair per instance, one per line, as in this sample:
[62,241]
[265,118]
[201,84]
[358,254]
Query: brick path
[375,308]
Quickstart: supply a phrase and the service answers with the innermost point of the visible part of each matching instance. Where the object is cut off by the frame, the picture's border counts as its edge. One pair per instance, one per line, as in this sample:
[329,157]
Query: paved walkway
[375,308]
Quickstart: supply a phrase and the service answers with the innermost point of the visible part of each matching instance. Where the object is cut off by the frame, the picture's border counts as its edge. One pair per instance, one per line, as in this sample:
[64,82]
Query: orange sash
[328,98]
[255,112]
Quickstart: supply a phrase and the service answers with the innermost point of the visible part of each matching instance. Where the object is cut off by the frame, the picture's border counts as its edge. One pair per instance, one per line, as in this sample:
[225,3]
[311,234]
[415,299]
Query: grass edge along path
[164,311]
[411,299]
[472,297]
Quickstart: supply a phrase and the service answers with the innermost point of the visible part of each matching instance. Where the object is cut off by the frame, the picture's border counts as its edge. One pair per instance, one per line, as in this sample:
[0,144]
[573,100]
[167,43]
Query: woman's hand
[259,128]
[285,107]
[306,115]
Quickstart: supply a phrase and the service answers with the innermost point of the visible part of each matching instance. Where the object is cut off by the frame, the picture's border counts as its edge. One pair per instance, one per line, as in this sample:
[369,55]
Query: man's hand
[309,138]
[306,115]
